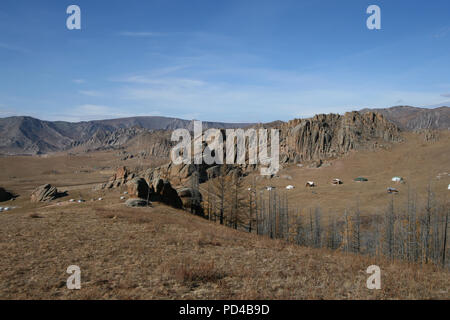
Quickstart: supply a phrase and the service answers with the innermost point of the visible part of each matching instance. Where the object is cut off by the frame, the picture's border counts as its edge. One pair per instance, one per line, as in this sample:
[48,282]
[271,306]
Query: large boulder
[137,203]
[5,195]
[191,200]
[138,188]
[170,196]
[45,193]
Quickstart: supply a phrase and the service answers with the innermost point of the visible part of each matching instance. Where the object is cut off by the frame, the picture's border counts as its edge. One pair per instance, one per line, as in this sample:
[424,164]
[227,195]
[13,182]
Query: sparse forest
[412,231]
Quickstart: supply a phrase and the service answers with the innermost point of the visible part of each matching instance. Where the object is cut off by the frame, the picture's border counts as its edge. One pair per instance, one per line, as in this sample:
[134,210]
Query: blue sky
[220,60]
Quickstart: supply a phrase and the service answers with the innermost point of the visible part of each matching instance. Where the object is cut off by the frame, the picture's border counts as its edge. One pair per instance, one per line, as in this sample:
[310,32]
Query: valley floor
[163,253]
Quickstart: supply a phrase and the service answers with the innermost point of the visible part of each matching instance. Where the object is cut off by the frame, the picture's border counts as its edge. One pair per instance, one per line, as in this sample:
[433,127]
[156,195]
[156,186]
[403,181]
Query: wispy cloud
[6,112]
[78,81]
[164,82]
[445,95]
[11,47]
[90,112]
[91,93]
[442,32]
[141,34]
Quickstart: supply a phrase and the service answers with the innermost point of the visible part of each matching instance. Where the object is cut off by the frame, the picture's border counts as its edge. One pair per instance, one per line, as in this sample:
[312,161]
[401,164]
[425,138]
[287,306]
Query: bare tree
[444,245]
[221,188]
[356,234]
[389,239]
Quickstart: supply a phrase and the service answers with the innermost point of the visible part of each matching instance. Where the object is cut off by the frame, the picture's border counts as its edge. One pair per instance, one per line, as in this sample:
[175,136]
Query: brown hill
[164,253]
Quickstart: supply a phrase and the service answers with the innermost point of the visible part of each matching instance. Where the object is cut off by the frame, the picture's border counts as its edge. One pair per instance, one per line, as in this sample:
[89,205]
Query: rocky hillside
[330,135]
[26,135]
[310,141]
[412,118]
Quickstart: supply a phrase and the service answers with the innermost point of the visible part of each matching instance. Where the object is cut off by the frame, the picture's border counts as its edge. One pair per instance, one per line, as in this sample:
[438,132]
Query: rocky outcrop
[121,177]
[332,135]
[5,195]
[163,191]
[137,203]
[429,135]
[181,174]
[46,193]
[138,188]
[310,140]
[169,195]
[191,199]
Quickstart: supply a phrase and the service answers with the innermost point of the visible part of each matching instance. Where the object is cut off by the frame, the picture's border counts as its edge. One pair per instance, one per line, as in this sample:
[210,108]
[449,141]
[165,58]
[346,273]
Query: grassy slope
[162,253]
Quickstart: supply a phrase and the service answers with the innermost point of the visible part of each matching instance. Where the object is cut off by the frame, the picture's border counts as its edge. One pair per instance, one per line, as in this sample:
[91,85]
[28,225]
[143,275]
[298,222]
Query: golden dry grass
[163,253]
[416,161]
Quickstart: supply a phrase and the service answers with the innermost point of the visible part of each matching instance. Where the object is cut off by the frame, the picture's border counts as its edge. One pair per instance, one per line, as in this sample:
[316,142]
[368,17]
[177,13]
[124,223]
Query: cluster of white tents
[337,181]
[79,200]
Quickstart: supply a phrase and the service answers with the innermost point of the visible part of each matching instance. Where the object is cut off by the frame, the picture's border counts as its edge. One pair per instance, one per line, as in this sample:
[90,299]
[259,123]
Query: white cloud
[164,82]
[91,93]
[78,81]
[88,112]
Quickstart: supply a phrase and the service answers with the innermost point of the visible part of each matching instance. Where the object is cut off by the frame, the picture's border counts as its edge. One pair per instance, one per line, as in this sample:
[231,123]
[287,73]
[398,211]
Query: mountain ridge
[28,135]
[413,118]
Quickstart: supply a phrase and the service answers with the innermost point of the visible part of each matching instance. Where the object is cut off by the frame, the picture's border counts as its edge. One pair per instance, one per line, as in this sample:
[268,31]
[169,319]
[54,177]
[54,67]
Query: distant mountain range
[27,135]
[412,118]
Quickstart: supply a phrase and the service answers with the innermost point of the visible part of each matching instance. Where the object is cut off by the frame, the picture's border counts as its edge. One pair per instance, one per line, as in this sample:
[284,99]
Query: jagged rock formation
[332,135]
[301,140]
[46,193]
[430,135]
[180,174]
[118,179]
